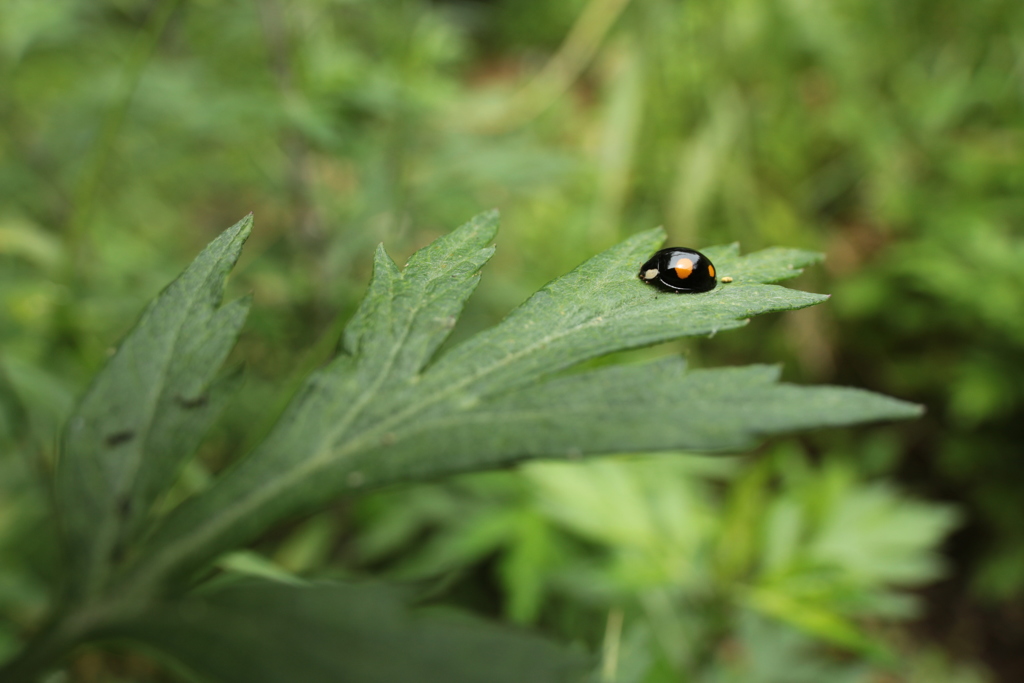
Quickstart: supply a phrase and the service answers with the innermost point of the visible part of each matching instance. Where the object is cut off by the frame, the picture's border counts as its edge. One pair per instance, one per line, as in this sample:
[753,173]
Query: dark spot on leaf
[118,438]
[124,508]
[197,402]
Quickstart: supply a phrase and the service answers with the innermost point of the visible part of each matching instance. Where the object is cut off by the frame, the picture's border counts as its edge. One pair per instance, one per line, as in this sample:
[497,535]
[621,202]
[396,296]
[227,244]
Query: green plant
[679,553]
[138,565]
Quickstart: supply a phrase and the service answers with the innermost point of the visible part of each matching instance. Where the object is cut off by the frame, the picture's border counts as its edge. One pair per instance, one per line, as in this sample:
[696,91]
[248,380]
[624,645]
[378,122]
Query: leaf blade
[265,632]
[601,307]
[647,407]
[146,411]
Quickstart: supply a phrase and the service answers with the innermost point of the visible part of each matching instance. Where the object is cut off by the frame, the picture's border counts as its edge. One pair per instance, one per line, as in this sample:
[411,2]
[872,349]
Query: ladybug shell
[679,270]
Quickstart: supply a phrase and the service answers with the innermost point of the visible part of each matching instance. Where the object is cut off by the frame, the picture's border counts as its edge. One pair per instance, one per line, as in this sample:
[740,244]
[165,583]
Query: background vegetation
[888,135]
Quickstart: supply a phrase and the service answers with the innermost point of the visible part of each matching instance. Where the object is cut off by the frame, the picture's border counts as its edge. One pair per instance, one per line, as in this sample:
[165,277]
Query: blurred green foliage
[886,134]
[689,561]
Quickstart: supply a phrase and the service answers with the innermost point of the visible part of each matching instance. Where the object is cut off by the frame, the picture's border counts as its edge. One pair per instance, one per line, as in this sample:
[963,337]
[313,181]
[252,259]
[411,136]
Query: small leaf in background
[147,411]
[262,632]
[532,552]
[835,549]
[880,537]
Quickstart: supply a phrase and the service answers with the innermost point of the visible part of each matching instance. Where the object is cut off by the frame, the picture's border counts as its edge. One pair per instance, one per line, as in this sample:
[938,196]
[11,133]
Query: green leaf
[267,632]
[817,621]
[146,412]
[880,537]
[602,307]
[648,407]
[379,414]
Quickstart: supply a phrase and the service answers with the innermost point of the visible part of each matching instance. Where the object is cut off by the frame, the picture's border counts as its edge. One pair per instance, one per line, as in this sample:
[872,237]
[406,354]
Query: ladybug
[679,270]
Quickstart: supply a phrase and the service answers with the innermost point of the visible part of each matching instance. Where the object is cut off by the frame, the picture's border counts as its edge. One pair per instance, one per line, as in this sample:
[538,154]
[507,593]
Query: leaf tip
[227,247]
[485,225]
[380,252]
[897,409]
[243,228]
[913,409]
[383,263]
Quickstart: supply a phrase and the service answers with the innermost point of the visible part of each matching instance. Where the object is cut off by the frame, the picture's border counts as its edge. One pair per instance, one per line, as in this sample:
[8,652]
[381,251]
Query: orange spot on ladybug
[711,270]
[683,268]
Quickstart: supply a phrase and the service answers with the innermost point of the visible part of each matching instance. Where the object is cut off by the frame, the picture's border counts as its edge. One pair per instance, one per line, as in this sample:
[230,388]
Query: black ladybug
[678,269]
